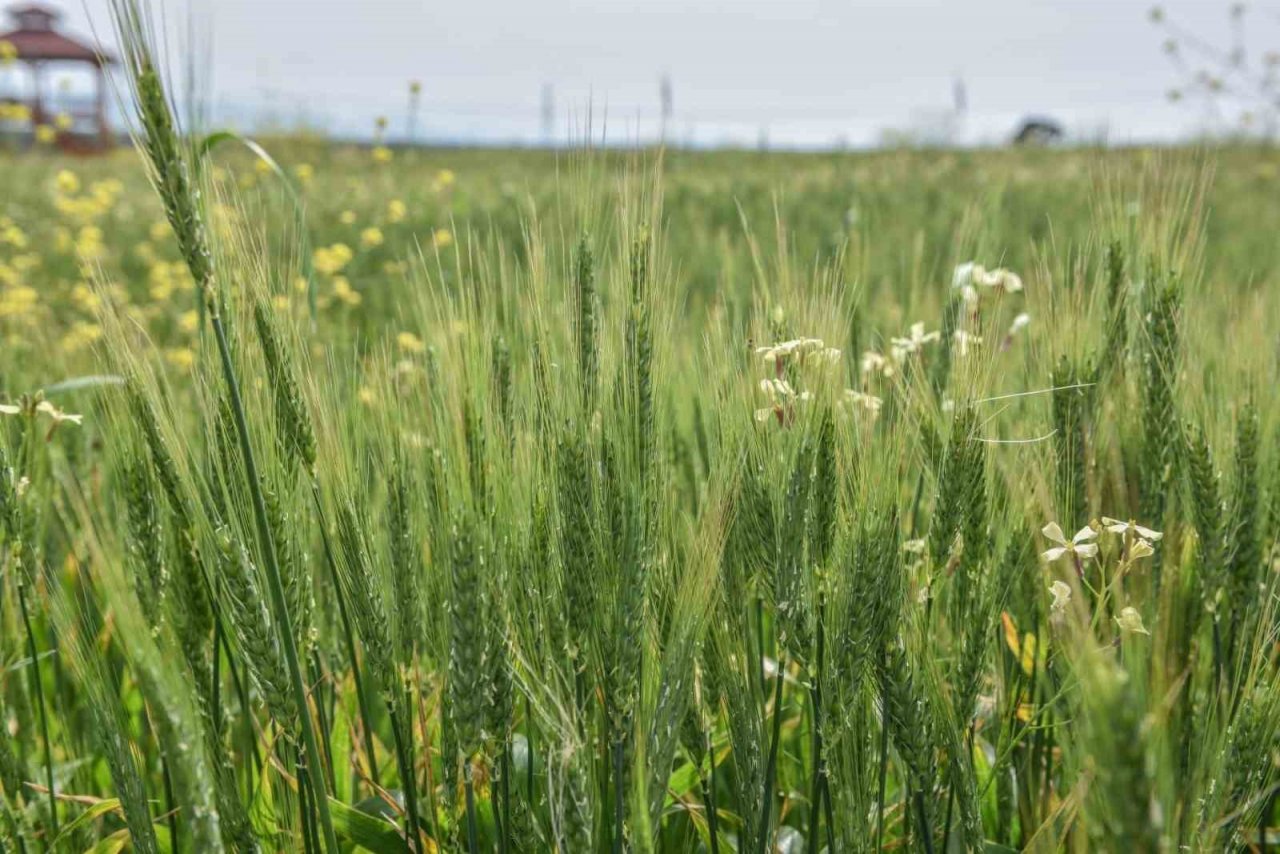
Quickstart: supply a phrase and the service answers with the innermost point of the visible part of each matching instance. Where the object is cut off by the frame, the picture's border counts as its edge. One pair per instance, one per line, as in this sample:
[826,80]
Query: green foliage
[634,554]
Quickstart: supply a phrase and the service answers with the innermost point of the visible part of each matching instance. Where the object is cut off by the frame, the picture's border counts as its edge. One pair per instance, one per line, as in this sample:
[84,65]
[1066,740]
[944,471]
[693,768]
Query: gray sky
[804,72]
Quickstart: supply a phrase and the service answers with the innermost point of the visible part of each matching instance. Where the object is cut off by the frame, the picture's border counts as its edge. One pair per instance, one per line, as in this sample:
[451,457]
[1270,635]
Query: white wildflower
[860,400]
[913,342]
[998,279]
[969,274]
[782,397]
[1130,622]
[46,408]
[1130,528]
[1078,546]
[1141,549]
[965,340]
[964,274]
[1061,593]
[42,407]
[800,349]
[873,362]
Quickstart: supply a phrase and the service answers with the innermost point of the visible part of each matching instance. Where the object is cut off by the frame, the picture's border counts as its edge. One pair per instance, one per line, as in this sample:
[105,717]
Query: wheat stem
[275,587]
[362,702]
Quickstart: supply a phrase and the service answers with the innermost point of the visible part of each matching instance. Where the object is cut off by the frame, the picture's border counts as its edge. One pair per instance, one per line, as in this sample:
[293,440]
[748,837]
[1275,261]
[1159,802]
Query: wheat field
[635,500]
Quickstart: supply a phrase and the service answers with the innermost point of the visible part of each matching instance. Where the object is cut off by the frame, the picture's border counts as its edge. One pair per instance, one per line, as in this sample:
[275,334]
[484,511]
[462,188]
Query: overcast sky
[801,72]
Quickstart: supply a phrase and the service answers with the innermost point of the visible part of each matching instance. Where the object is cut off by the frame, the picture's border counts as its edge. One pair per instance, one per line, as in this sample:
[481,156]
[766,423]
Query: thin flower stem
[884,772]
[760,642]
[38,690]
[713,818]
[528,770]
[771,767]
[276,587]
[815,701]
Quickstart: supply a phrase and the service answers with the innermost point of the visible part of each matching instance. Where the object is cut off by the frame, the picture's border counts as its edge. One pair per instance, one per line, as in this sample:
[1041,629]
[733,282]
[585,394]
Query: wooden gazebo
[34,41]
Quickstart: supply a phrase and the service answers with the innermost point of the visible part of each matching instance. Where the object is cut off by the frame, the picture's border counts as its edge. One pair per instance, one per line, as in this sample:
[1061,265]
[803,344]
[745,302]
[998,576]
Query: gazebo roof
[35,38]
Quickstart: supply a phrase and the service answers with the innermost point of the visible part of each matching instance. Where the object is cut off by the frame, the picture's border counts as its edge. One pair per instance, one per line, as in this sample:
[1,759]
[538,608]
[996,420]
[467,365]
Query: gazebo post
[100,105]
[37,96]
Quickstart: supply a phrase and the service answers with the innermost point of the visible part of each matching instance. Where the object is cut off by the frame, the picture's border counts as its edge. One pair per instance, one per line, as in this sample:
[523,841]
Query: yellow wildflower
[159,230]
[89,244]
[8,52]
[371,237]
[161,279]
[84,297]
[304,172]
[329,260]
[105,193]
[441,238]
[80,335]
[343,291]
[181,358]
[382,154]
[14,236]
[396,211]
[410,343]
[347,217]
[45,134]
[18,301]
[23,263]
[63,121]
[67,182]
[189,321]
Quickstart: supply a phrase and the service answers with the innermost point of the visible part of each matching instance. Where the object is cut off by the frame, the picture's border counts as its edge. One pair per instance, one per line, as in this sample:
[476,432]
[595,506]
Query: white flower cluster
[801,350]
[781,397]
[971,275]
[857,401]
[1138,542]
